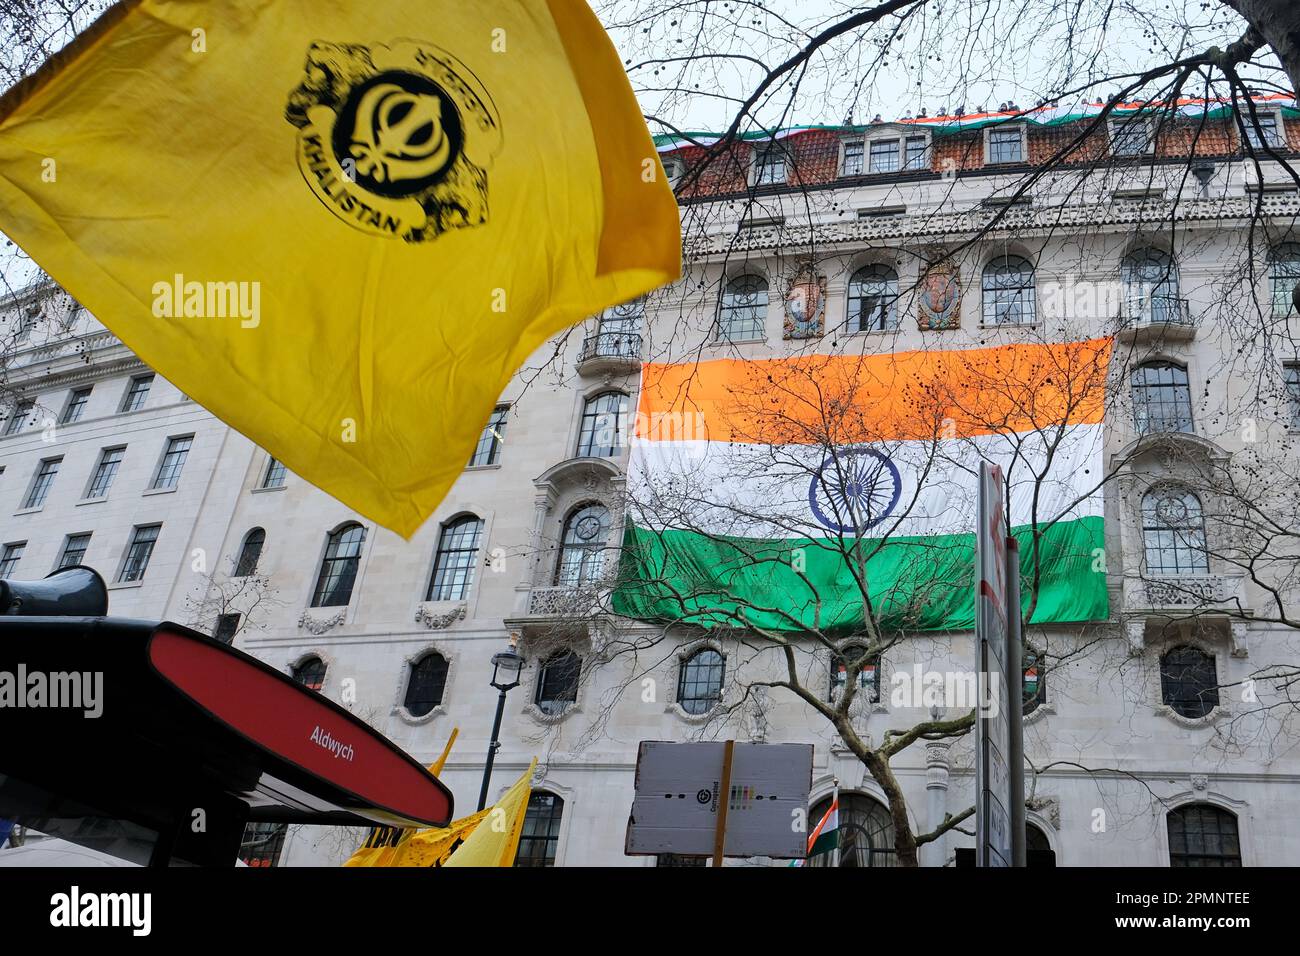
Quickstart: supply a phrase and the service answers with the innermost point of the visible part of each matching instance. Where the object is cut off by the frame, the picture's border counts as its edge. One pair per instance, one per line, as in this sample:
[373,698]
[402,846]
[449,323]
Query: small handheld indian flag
[826,835]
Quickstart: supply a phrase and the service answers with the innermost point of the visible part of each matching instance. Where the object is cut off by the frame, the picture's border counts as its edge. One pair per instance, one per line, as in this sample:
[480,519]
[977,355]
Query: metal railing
[1141,310]
[611,345]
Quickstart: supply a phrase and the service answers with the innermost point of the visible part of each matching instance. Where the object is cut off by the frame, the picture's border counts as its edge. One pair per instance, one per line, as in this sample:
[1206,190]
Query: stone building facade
[403,631]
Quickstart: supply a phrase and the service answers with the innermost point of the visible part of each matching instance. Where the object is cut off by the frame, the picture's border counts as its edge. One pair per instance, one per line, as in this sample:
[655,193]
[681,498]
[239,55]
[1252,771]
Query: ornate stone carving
[805,304]
[939,301]
[1049,808]
[756,723]
[319,625]
[1200,782]
[435,621]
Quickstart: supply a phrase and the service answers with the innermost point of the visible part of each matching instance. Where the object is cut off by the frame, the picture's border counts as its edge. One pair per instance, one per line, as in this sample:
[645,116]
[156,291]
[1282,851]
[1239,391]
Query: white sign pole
[993,803]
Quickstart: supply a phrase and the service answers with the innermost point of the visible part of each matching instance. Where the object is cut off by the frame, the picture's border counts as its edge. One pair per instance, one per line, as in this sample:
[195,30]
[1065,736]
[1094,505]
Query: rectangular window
[45,473]
[227,627]
[173,460]
[110,459]
[852,158]
[10,557]
[488,449]
[769,165]
[1130,136]
[18,416]
[918,154]
[1292,373]
[274,475]
[1006,144]
[884,156]
[74,550]
[76,406]
[1263,130]
[143,538]
[137,393]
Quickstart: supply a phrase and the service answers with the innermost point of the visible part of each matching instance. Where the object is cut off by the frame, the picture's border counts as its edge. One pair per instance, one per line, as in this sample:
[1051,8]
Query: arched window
[1008,288]
[453,566]
[742,311]
[866,833]
[582,547]
[873,299]
[338,569]
[868,676]
[310,672]
[1035,686]
[540,837]
[1201,834]
[604,425]
[1173,532]
[699,681]
[1284,276]
[425,683]
[1162,398]
[250,553]
[1151,286]
[1189,681]
[557,683]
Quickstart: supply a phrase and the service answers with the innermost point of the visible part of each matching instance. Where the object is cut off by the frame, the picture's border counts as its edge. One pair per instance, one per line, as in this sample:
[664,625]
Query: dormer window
[769,165]
[1004,144]
[884,155]
[674,169]
[1264,130]
[1131,136]
[917,153]
[853,157]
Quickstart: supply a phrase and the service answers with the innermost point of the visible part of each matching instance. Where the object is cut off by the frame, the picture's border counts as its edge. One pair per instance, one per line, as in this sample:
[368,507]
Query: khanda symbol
[399,135]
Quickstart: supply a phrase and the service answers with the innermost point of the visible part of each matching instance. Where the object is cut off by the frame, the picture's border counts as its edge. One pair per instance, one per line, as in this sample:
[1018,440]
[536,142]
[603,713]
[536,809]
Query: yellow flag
[495,840]
[340,227]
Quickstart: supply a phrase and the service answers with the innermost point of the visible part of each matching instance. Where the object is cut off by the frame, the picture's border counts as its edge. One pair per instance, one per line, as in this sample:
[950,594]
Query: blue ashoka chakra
[854,489]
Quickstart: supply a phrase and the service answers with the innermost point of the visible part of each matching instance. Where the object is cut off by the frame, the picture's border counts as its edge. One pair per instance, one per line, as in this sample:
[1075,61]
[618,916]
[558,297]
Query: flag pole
[835,799]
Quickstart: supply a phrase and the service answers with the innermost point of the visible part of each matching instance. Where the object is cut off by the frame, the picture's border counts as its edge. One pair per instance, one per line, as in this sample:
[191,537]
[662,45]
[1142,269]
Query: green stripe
[825,842]
[916,583]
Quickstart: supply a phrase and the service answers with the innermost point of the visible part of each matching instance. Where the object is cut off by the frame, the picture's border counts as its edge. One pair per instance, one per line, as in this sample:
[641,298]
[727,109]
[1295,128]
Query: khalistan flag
[772,493]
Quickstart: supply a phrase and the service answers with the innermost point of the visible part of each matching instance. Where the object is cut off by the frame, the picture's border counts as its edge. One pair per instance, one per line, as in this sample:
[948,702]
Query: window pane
[917,153]
[310,673]
[1151,286]
[557,684]
[1284,276]
[74,550]
[10,557]
[453,566]
[169,470]
[582,546]
[866,833]
[76,406]
[425,684]
[139,553]
[42,483]
[263,843]
[1008,292]
[1292,378]
[884,156]
[873,299]
[868,675]
[488,449]
[540,836]
[338,571]
[1189,681]
[18,417]
[853,158]
[1162,398]
[275,474]
[1173,532]
[105,472]
[250,553]
[1203,835]
[1006,145]
[743,310]
[699,683]
[136,393]
[603,433]
[769,165]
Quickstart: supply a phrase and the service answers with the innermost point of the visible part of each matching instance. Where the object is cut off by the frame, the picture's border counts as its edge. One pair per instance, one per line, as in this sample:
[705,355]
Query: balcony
[610,352]
[564,608]
[1186,594]
[1147,317]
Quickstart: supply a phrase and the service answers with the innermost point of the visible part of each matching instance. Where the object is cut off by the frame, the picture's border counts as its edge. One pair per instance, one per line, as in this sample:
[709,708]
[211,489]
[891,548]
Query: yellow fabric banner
[464,843]
[340,226]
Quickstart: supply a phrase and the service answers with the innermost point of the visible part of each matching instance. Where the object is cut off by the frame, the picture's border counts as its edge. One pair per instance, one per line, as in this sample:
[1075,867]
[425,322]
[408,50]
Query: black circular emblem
[397,134]
[703,796]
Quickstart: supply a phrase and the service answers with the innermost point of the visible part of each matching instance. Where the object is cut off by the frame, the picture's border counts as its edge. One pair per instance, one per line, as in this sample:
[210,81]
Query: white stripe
[768,491]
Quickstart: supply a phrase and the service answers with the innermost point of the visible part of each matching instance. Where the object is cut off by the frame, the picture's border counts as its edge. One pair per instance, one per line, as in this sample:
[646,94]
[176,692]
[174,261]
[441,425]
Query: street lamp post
[505,677]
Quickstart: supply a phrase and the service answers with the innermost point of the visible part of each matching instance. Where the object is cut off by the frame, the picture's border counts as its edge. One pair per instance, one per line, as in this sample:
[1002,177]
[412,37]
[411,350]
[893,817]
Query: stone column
[935,852]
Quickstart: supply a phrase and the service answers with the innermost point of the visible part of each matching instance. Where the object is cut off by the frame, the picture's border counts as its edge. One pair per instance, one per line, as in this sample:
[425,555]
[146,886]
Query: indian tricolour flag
[776,493]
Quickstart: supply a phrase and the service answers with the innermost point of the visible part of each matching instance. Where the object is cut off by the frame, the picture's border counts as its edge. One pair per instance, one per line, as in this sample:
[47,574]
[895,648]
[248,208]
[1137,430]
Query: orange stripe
[842,399]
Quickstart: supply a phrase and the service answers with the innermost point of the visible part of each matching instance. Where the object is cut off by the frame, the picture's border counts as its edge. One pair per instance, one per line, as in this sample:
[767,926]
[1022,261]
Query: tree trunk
[1278,22]
[904,839]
